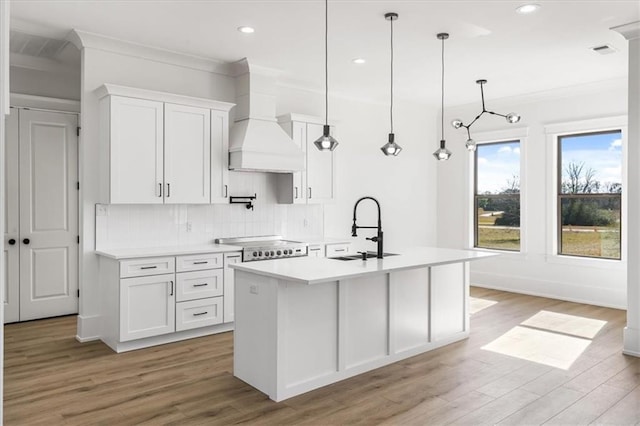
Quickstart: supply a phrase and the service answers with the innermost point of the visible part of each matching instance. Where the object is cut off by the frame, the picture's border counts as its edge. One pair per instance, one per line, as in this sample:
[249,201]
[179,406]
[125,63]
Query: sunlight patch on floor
[476,304]
[566,324]
[542,347]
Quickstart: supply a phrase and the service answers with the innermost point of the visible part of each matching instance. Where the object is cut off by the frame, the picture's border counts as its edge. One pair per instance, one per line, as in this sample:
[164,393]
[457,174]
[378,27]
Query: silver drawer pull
[201,285]
[200,313]
[338,250]
[148,267]
[204,262]
[233,257]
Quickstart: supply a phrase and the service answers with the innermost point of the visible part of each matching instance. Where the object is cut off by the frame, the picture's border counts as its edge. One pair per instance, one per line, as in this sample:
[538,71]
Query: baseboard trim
[88,328]
[631,342]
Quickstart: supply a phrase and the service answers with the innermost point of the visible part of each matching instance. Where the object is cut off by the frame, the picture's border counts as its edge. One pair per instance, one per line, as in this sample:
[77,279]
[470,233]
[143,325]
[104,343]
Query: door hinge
[78,131]
[78,292]
[78,239]
[78,186]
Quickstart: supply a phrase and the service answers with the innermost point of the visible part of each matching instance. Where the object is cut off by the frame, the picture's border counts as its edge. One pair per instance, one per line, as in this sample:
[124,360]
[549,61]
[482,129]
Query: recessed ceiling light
[359,61]
[527,8]
[246,30]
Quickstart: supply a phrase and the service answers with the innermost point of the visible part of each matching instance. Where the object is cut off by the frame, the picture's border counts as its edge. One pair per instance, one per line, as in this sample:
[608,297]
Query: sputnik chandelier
[511,118]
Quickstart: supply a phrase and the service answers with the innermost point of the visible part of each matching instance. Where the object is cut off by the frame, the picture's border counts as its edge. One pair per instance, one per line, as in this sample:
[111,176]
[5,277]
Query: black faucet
[355,227]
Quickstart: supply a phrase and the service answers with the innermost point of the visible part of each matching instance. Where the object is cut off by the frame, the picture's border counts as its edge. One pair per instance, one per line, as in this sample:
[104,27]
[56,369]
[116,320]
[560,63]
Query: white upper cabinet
[219,156]
[317,184]
[162,148]
[135,150]
[187,154]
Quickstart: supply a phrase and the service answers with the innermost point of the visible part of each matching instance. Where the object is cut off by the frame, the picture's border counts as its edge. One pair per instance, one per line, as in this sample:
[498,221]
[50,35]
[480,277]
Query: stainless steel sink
[371,255]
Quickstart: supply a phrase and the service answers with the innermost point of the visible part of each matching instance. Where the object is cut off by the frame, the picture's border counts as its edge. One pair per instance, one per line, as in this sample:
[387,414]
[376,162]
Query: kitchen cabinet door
[187,154]
[320,169]
[136,151]
[229,277]
[147,306]
[219,156]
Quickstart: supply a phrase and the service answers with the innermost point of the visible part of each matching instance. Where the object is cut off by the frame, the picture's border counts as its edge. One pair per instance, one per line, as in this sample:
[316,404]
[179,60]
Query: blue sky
[498,163]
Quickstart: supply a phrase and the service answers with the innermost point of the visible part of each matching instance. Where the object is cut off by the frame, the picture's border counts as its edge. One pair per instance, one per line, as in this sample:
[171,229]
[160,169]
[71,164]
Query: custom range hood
[257,142]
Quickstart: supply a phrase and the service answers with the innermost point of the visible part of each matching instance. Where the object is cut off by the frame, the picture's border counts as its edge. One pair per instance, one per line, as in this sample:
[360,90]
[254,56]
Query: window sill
[587,262]
[516,255]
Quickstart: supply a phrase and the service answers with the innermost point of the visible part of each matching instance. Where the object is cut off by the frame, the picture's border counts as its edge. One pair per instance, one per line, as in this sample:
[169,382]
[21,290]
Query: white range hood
[257,142]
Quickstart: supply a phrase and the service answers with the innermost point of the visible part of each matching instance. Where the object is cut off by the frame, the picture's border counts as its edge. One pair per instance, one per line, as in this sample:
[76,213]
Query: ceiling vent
[34,45]
[605,49]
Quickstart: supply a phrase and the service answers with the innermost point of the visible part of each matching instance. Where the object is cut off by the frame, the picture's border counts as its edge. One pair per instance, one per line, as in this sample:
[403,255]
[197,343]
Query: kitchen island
[307,322]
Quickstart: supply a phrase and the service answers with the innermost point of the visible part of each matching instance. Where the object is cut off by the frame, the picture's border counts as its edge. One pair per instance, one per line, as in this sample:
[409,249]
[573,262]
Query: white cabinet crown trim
[286,118]
[152,95]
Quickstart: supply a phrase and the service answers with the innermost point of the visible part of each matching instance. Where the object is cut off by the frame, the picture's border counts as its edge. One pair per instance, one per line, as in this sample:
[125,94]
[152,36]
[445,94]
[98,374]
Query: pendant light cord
[326,62]
[391,108]
[442,97]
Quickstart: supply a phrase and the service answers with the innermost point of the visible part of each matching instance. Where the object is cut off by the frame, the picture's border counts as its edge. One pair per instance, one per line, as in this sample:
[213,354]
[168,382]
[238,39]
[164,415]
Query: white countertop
[315,270]
[128,253]
[325,240]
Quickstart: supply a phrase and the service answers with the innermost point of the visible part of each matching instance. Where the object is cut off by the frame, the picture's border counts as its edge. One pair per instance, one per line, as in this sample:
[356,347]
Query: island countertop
[314,270]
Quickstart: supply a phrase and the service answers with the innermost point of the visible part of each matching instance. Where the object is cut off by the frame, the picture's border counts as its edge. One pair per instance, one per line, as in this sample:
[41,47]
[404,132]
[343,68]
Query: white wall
[41,83]
[536,270]
[405,185]
[4,110]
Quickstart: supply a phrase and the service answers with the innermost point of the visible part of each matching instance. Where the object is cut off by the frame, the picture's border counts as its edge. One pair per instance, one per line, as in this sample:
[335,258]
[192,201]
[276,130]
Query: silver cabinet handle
[309,192]
[339,250]
[233,257]
[296,189]
[148,267]
[160,186]
[201,285]
[200,313]
[226,191]
[168,190]
[171,294]
[204,262]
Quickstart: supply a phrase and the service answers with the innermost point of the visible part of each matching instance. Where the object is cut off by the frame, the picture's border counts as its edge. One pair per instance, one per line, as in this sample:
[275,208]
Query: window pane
[591,163]
[590,226]
[498,222]
[498,168]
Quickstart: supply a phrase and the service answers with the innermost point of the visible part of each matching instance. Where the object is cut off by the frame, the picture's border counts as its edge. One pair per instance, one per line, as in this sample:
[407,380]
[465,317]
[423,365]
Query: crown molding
[630,31]
[20,100]
[84,39]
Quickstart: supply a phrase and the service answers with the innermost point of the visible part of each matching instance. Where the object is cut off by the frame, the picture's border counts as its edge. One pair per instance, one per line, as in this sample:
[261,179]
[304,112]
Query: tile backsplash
[121,226]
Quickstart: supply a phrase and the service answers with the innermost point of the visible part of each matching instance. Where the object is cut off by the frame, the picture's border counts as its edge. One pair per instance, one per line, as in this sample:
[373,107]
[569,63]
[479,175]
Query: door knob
[12,241]
[26,241]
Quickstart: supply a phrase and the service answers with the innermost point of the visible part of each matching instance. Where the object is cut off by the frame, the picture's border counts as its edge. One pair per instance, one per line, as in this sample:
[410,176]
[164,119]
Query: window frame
[600,195]
[475,195]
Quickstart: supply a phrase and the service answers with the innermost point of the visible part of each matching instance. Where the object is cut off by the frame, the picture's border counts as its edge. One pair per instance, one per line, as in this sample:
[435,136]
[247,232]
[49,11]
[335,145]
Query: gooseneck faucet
[355,227]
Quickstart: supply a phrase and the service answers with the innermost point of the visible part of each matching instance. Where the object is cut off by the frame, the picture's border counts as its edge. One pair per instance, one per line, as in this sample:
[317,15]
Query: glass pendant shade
[442,153]
[391,148]
[470,145]
[326,142]
[457,123]
[512,118]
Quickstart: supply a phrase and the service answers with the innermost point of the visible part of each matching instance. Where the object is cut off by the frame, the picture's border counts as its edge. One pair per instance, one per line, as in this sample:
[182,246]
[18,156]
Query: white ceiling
[518,54]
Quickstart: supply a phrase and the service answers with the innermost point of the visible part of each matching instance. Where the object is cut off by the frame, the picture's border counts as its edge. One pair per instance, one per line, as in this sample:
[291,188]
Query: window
[589,194]
[497,196]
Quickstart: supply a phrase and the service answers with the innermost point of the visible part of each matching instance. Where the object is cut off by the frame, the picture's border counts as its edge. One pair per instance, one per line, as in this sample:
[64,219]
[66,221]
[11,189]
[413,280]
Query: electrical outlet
[189,226]
[102,210]
[305,222]
[253,289]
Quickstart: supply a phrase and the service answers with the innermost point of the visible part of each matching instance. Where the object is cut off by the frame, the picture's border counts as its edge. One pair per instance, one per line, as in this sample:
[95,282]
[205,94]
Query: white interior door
[48,214]
[12,222]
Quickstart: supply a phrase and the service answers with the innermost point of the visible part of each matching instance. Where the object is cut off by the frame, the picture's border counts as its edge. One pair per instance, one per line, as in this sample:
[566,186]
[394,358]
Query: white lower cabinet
[316,250]
[155,300]
[198,313]
[147,306]
[335,250]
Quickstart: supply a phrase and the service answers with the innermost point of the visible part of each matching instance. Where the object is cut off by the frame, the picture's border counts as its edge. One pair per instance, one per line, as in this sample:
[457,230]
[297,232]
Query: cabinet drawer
[199,284]
[316,250]
[198,262]
[198,313]
[334,250]
[147,266]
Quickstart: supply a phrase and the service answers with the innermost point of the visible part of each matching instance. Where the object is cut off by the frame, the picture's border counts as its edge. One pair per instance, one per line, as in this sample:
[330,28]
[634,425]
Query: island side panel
[255,336]
[307,332]
[410,309]
[366,322]
[449,301]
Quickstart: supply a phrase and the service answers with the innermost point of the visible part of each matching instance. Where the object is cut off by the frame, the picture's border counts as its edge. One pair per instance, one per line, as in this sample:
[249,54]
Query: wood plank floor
[545,362]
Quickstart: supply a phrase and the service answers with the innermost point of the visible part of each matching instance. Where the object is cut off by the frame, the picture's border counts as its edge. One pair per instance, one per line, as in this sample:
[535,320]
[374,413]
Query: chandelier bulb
[470,145]
[456,123]
[512,118]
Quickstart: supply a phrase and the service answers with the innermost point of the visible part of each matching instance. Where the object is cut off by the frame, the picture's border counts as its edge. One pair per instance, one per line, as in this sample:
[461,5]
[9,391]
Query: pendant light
[326,142]
[511,118]
[391,147]
[442,153]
